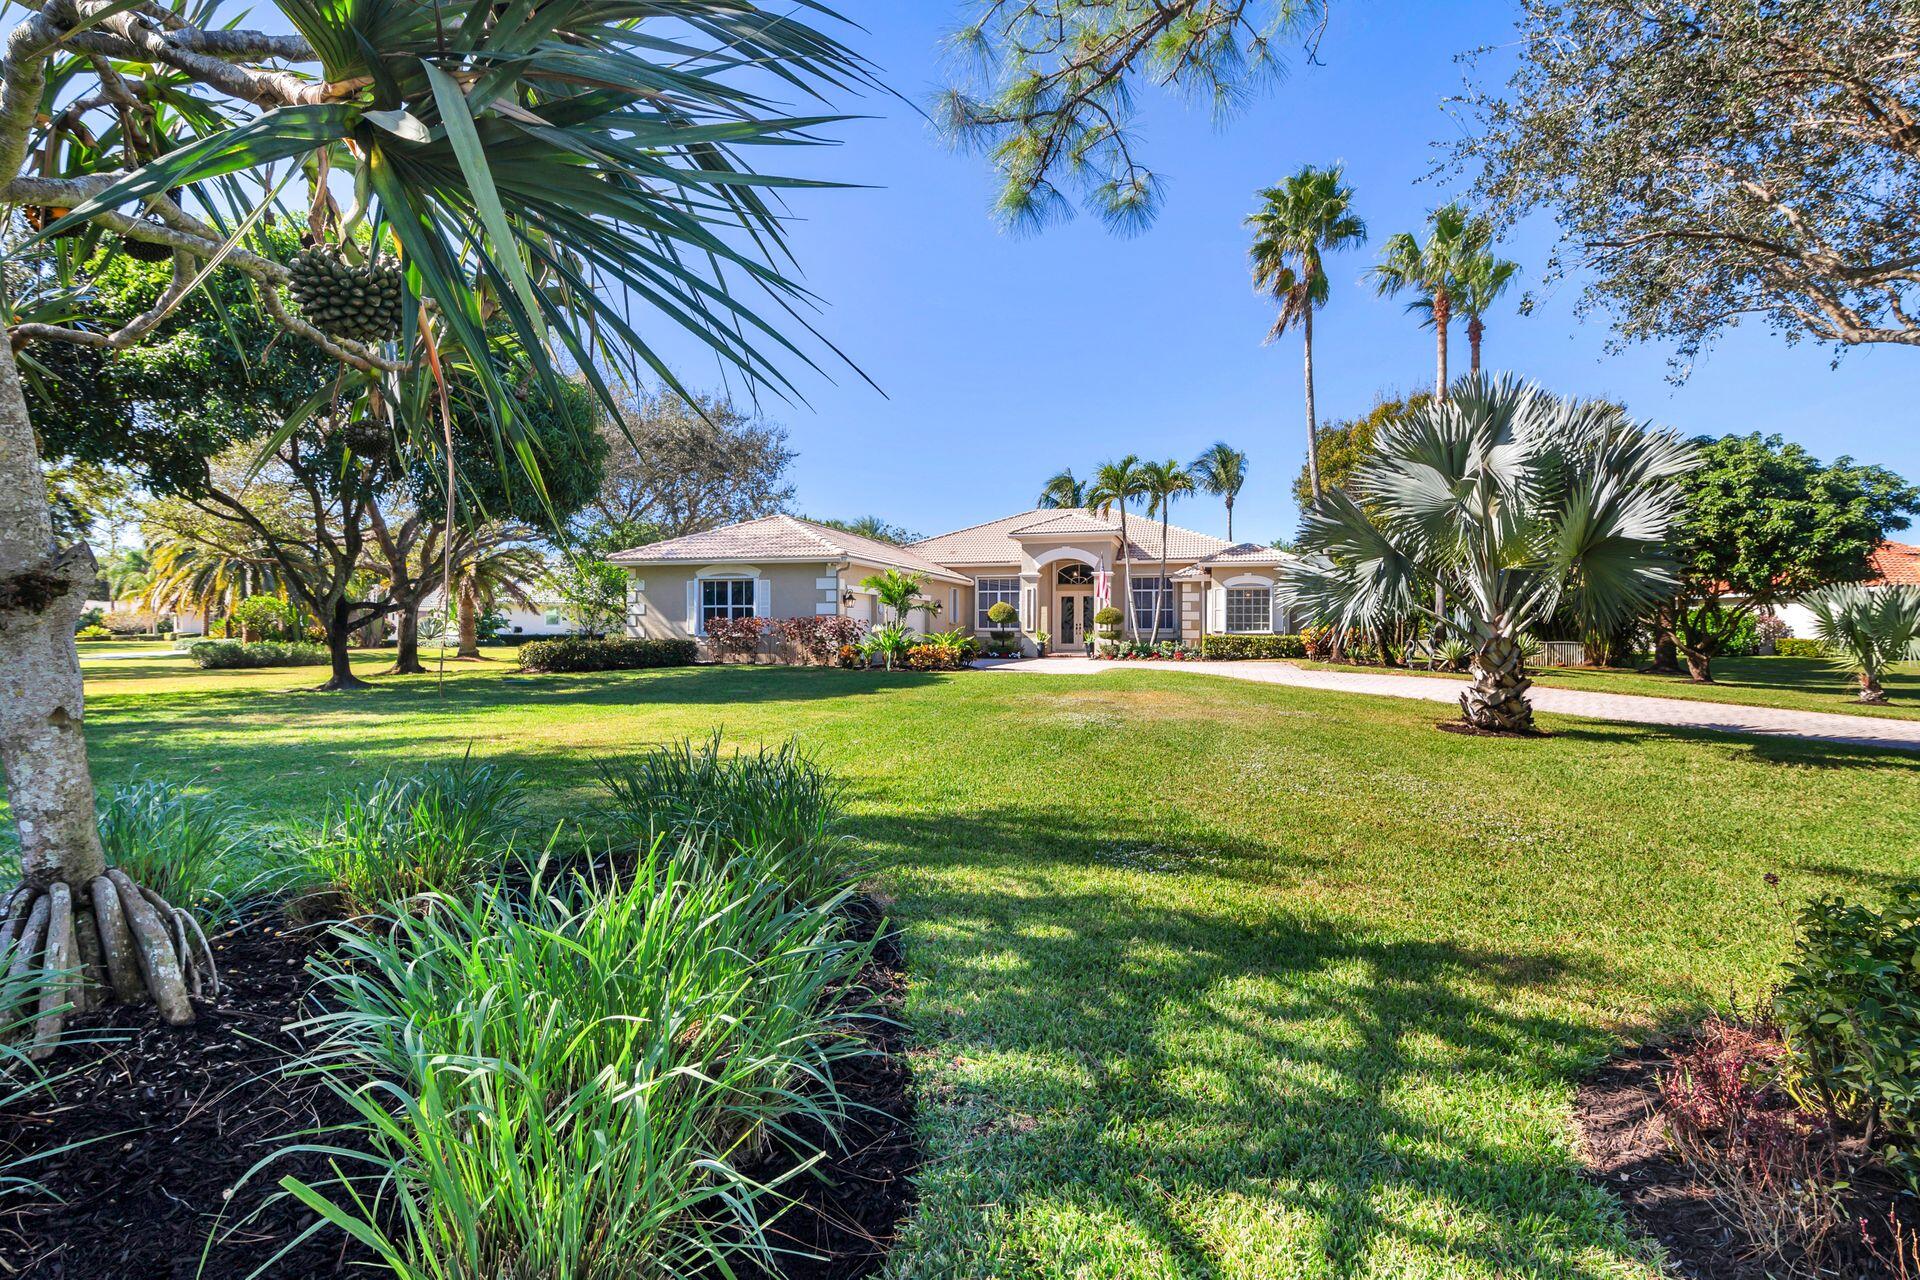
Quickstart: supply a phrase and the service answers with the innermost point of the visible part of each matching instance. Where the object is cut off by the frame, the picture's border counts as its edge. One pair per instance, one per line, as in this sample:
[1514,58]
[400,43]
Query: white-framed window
[987,592]
[1143,589]
[1249,609]
[553,617]
[725,598]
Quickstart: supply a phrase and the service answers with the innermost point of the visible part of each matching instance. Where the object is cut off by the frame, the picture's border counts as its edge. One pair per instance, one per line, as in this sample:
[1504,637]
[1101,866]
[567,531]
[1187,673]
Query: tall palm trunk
[1476,330]
[1313,430]
[469,618]
[1442,318]
[1497,697]
[1126,577]
[1165,585]
[42,593]
[1230,511]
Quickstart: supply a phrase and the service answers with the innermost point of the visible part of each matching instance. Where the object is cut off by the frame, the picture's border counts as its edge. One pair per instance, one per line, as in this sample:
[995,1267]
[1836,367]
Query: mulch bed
[176,1117]
[181,1115]
[1627,1152]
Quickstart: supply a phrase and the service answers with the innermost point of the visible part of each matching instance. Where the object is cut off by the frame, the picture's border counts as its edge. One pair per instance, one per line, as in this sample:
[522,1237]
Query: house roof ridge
[969,528]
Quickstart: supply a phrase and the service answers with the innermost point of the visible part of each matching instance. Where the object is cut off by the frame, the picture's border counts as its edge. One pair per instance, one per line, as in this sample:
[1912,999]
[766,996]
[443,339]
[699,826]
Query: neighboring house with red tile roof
[1057,567]
[1892,564]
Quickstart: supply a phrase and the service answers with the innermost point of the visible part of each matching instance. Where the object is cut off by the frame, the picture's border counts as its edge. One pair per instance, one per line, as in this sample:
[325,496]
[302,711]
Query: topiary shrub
[579,653]
[1232,647]
[220,655]
[1108,621]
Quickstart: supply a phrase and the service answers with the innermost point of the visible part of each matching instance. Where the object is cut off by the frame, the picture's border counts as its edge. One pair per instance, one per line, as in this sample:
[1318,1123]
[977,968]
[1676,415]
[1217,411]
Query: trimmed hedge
[1236,646]
[222,655]
[579,653]
[1791,647]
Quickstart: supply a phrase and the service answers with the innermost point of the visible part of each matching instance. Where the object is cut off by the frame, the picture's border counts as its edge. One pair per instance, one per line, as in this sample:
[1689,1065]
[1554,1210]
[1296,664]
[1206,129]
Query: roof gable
[778,537]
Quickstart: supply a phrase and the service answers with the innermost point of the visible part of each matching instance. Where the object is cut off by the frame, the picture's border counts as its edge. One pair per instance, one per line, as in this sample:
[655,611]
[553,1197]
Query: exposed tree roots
[114,941]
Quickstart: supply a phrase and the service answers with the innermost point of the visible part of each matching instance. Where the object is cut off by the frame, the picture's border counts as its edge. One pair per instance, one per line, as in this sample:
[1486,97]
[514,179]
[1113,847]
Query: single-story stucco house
[1058,567]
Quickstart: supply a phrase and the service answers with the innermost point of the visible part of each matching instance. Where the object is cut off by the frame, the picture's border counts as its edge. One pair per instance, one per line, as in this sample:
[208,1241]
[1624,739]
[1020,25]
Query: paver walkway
[1679,713]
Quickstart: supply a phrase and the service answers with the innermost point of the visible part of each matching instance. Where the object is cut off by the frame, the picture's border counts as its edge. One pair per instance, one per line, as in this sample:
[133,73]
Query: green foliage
[901,593]
[437,828]
[875,527]
[93,632]
[571,1080]
[268,617]
[886,644]
[1221,470]
[177,840]
[1300,221]
[1850,1004]
[581,653]
[1108,620]
[1798,647]
[1342,447]
[1867,628]
[223,655]
[592,593]
[1252,646]
[1002,615]
[774,806]
[1062,490]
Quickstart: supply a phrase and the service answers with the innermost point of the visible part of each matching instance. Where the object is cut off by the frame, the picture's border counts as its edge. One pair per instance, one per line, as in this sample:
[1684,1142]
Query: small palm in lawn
[1298,223]
[1517,503]
[1868,629]
[487,577]
[901,592]
[1221,471]
[1434,270]
[1063,491]
[1114,486]
[1165,481]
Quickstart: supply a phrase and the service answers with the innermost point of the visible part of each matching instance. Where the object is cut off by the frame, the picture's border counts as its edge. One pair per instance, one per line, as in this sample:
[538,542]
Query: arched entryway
[1073,606]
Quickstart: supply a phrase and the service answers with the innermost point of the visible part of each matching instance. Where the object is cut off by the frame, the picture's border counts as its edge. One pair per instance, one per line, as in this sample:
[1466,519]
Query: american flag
[1102,588]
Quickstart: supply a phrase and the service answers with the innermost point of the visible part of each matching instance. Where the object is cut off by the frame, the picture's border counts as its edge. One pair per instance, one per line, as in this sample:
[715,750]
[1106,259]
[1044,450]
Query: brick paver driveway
[1679,713]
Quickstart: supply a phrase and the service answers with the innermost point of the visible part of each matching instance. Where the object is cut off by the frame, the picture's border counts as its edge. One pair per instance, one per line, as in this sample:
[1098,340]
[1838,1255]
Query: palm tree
[485,578]
[1221,471]
[1484,279]
[1305,217]
[1115,485]
[1868,629]
[902,593]
[1517,503]
[1163,482]
[127,572]
[1062,490]
[1434,270]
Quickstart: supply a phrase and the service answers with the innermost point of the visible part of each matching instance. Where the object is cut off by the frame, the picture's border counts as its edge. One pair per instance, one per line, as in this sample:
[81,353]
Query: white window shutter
[1277,614]
[1216,608]
[693,608]
[762,598]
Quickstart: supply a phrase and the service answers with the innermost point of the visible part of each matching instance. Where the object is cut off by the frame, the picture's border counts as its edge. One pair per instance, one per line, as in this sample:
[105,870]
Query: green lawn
[104,648]
[1209,979]
[1798,684]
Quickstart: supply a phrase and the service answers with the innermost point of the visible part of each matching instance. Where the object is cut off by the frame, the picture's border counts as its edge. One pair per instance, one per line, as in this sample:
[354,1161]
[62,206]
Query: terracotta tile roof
[1240,553]
[780,537]
[996,542]
[1896,563]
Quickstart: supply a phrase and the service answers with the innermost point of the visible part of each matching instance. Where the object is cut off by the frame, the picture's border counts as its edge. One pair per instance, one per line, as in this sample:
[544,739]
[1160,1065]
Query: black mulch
[183,1113]
[1627,1152]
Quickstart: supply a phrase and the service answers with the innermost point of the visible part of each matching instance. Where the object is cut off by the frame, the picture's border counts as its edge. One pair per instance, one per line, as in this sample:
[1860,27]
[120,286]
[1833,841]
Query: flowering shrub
[127,622]
[736,638]
[1771,629]
[820,639]
[1773,1166]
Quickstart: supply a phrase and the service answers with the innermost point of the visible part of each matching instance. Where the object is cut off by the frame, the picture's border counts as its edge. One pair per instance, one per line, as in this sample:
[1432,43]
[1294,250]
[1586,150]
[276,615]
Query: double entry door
[1076,620]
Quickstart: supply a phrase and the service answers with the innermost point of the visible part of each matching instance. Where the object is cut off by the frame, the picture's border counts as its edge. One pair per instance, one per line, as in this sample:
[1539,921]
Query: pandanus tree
[1518,504]
[546,168]
[1298,223]
[1868,629]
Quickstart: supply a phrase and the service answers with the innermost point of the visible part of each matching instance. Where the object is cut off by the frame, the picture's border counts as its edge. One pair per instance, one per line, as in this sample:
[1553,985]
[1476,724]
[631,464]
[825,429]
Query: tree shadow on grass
[1806,753]
[1142,1084]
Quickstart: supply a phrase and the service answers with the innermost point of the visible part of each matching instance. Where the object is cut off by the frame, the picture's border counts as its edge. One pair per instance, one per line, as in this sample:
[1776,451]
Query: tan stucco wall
[661,593]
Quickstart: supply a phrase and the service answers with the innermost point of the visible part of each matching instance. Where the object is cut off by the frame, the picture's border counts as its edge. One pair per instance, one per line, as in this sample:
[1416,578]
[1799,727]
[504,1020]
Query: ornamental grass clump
[772,808]
[177,841]
[567,1081]
[440,828]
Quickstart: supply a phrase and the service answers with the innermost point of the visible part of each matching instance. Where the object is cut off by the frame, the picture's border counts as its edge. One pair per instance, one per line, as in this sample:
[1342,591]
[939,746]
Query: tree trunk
[1699,665]
[1313,430]
[1132,631]
[1870,691]
[1442,318]
[1475,331]
[42,594]
[469,618]
[1230,518]
[340,651]
[406,636]
[1666,649]
[1497,697]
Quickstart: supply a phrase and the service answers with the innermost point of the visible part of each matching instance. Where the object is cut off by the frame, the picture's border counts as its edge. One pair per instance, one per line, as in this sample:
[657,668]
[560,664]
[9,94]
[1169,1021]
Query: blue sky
[1004,357]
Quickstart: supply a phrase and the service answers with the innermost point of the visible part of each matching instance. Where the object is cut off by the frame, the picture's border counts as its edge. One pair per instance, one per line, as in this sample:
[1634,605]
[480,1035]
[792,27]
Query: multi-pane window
[987,592]
[725,598]
[1143,590]
[1249,609]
